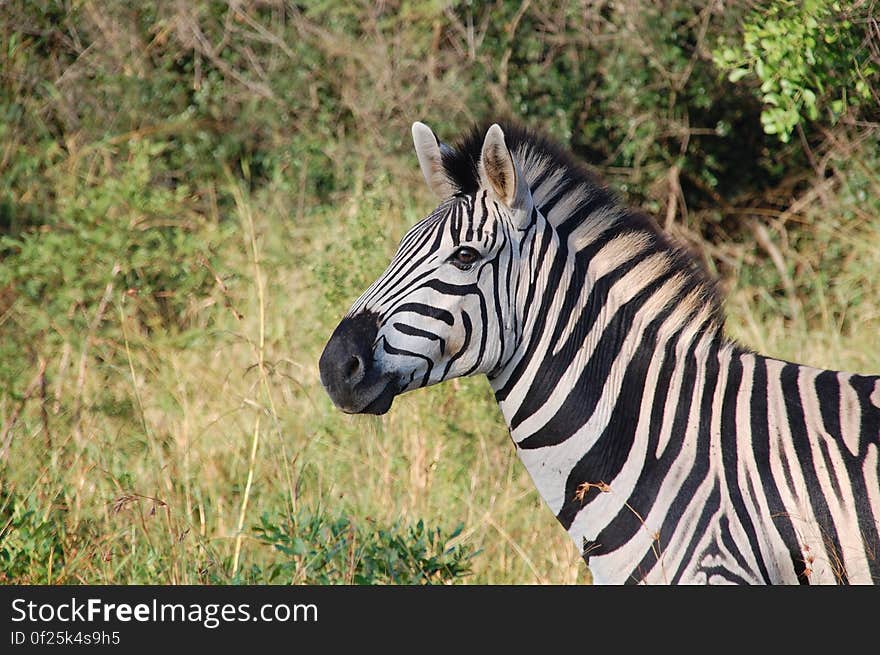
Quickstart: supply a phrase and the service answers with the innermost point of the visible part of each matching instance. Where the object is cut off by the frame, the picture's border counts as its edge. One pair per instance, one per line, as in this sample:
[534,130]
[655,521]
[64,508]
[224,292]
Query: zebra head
[442,308]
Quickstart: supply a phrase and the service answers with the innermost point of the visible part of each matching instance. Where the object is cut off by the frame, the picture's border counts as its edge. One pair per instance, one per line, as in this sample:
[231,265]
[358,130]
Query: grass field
[170,269]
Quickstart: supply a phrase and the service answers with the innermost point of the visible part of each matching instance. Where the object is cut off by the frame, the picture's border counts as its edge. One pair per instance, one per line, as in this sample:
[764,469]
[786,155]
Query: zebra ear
[429,150]
[499,171]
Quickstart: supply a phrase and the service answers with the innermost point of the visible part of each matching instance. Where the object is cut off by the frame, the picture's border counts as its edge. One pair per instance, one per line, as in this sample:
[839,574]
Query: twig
[247,216]
[44,410]
[6,433]
[764,240]
[807,199]
[90,335]
[673,178]
[222,286]
[208,51]
[511,34]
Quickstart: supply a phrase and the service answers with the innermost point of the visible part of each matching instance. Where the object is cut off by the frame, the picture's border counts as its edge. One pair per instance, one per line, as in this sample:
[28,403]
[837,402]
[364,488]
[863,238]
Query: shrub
[317,548]
[32,542]
[811,58]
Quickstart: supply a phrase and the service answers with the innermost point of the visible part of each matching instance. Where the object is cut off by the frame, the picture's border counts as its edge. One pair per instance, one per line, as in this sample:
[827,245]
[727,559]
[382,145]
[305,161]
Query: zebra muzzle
[348,371]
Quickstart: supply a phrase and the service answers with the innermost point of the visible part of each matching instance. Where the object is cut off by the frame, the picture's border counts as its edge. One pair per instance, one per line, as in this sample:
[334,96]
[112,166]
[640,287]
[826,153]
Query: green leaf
[737,74]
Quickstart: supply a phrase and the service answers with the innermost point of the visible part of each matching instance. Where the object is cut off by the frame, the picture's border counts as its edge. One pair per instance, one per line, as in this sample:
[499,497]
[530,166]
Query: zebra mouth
[348,370]
[371,398]
[382,403]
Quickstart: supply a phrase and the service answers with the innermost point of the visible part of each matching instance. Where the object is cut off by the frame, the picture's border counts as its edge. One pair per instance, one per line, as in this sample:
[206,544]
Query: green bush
[32,542]
[811,58]
[316,548]
[121,228]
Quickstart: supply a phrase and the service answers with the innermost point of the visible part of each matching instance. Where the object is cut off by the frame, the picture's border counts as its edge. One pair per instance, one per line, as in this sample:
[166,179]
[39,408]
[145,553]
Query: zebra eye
[464,258]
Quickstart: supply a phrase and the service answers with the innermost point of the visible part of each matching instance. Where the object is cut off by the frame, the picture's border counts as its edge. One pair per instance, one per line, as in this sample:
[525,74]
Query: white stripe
[875,395]
[871,473]
[795,496]
[850,414]
[594,226]
[566,205]
[625,558]
[716,459]
[616,253]
[684,343]
[672,553]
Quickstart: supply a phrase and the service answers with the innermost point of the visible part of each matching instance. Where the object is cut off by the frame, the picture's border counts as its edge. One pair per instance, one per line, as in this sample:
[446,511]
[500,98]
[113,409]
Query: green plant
[810,58]
[316,548]
[32,542]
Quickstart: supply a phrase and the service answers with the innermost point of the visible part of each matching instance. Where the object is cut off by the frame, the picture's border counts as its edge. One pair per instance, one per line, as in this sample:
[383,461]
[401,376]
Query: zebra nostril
[347,367]
[353,367]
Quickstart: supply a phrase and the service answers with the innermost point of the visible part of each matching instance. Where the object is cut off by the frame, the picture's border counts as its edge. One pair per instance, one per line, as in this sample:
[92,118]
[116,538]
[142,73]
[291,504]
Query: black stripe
[628,521]
[484,333]
[540,178]
[542,305]
[829,466]
[553,367]
[469,233]
[454,224]
[731,546]
[700,467]
[729,431]
[801,442]
[389,283]
[710,508]
[497,306]
[550,201]
[450,289]
[397,289]
[485,217]
[760,424]
[864,387]
[868,523]
[417,232]
[529,228]
[468,328]
[604,461]
[730,576]
[538,250]
[425,310]
[590,202]
[828,394]
[392,350]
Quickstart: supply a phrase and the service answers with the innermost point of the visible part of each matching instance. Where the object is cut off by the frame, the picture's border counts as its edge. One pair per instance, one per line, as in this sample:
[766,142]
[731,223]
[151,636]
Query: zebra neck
[580,399]
[590,333]
[576,425]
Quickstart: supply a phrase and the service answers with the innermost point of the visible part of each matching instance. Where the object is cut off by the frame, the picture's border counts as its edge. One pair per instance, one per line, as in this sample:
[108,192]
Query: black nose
[346,365]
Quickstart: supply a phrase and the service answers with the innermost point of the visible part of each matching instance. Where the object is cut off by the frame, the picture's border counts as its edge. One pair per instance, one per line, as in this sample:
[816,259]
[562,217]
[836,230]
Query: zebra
[668,452]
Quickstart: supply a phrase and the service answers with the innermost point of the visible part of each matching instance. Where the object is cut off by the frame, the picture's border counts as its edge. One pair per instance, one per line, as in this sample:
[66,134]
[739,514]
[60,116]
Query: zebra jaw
[348,370]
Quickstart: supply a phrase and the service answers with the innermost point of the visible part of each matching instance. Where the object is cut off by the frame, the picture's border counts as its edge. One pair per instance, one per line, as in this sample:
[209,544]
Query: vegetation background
[192,194]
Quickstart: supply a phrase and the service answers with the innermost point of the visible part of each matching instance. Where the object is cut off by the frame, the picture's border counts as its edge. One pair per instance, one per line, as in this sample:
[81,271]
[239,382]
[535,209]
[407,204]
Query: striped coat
[669,453]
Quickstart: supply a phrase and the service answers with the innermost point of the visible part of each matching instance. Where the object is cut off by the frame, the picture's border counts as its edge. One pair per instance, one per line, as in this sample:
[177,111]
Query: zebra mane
[549,169]
[577,202]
